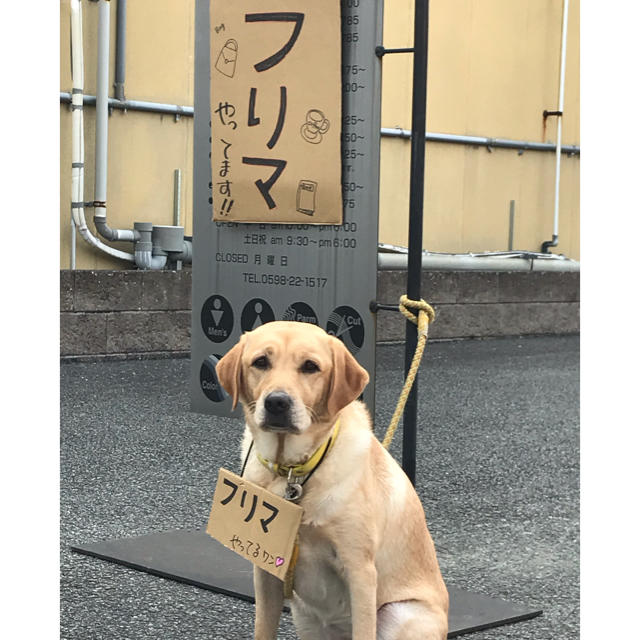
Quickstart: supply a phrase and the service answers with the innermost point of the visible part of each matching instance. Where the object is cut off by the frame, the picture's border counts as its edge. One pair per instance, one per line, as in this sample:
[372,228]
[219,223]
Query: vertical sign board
[276,111]
[247,274]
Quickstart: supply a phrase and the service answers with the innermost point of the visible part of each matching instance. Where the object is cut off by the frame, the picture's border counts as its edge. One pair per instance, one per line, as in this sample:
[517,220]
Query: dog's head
[290,375]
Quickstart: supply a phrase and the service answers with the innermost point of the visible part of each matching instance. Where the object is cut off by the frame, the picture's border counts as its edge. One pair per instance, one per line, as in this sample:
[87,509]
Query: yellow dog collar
[305,468]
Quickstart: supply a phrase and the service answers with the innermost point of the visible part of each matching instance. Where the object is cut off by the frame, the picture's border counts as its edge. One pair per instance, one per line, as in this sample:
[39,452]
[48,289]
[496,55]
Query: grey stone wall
[484,304]
[117,314]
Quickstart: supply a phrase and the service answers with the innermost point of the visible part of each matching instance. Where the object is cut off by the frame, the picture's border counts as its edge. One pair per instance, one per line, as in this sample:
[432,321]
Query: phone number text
[284,280]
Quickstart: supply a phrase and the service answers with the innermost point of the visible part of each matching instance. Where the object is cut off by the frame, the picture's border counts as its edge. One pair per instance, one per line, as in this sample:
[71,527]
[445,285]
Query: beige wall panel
[160,50]
[569,211]
[144,150]
[467,197]
[489,184]
[501,100]
[394,191]
[534,202]
[444,211]
[493,69]
[571,120]
[396,67]
[449,58]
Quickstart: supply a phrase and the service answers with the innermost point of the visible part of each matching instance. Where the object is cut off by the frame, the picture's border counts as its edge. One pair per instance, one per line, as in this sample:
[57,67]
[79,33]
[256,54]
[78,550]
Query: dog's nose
[277,403]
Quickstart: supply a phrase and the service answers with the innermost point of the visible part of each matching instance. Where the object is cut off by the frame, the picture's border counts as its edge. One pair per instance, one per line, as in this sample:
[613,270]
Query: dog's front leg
[362,578]
[269,592]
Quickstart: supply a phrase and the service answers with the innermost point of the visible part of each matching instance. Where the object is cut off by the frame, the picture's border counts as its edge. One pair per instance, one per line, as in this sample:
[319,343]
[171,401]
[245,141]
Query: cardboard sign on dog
[276,111]
[255,523]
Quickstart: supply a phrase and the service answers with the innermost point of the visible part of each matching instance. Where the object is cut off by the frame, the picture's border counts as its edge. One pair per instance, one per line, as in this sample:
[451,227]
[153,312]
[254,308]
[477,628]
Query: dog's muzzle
[277,412]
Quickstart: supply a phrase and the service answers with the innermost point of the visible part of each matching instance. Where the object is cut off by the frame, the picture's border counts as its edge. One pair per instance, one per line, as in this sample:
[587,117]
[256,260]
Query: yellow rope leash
[426,314]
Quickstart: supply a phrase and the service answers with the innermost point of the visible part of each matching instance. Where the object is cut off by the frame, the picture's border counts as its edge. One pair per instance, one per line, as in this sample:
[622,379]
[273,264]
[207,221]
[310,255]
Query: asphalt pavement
[497,473]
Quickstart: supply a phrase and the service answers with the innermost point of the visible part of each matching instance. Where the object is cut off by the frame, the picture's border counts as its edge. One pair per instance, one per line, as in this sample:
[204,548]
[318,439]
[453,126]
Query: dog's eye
[261,363]
[309,366]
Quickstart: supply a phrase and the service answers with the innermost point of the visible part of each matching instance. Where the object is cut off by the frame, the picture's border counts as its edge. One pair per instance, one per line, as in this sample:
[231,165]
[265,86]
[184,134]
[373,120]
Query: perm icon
[306,197]
[226,62]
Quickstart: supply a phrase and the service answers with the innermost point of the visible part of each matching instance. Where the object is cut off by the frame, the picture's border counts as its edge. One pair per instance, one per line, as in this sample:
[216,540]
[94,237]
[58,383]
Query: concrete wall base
[141,314]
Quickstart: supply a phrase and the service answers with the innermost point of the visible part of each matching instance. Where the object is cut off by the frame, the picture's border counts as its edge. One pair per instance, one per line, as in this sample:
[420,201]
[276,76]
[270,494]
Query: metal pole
[416,202]
[512,217]
[177,196]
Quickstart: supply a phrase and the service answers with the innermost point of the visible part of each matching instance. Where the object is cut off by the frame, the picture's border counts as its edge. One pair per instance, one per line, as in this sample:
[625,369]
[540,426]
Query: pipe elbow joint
[145,259]
[187,252]
[125,235]
[548,244]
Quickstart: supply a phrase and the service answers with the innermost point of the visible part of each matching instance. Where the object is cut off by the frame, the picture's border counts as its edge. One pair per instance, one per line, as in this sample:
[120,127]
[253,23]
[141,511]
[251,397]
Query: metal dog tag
[293,492]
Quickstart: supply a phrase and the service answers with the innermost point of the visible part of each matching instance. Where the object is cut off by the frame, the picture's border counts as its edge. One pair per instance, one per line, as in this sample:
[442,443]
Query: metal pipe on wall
[482,141]
[470,262]
[77,137]
[121,39]
[563,59]
[102,131]
[453,138]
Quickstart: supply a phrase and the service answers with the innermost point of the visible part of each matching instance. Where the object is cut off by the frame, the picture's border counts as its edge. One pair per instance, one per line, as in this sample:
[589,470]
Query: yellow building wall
[144,148]
[493,69]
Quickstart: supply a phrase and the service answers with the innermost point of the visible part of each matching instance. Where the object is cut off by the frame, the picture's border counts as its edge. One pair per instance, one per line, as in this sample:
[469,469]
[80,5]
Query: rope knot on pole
[426,315]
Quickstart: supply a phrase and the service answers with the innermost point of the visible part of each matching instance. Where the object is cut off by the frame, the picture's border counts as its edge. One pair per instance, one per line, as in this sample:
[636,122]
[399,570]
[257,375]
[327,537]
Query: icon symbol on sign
[255,313]
[217,312]
[216,318]
[346,324]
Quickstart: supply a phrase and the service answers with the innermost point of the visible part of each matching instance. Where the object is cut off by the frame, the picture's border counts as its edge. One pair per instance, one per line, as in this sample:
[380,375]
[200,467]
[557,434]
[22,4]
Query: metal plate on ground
[193,557]
[247,274]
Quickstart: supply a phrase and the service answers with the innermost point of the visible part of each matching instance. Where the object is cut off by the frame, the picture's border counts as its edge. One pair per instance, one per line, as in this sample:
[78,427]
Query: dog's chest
[319,578]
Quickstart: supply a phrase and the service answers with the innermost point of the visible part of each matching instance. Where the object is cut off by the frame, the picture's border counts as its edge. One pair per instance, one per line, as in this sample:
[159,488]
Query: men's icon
[216,318]
[315,126]
[306,197]
[226,62]
[255,313]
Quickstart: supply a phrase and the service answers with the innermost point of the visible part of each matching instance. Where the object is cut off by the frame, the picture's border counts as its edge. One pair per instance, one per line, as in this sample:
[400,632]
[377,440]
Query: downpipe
[77,139]
[559,113]
[121,38]
[102,132]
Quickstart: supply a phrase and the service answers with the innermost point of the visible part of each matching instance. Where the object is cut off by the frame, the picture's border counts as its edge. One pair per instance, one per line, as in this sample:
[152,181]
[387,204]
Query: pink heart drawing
[279,561]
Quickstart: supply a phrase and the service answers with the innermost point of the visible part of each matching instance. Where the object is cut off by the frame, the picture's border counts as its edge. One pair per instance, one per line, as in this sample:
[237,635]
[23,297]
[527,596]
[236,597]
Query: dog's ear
[229,371]
[348,378]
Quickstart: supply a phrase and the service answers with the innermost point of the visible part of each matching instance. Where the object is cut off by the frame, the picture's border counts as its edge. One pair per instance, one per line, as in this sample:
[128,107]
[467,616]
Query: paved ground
[498,474]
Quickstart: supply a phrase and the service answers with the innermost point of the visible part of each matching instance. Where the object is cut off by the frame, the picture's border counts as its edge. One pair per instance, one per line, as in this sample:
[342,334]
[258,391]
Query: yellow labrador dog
[367,567]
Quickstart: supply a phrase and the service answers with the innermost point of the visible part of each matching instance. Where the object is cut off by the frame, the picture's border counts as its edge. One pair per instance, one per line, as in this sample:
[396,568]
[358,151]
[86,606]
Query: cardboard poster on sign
[276,108]
[255,523]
